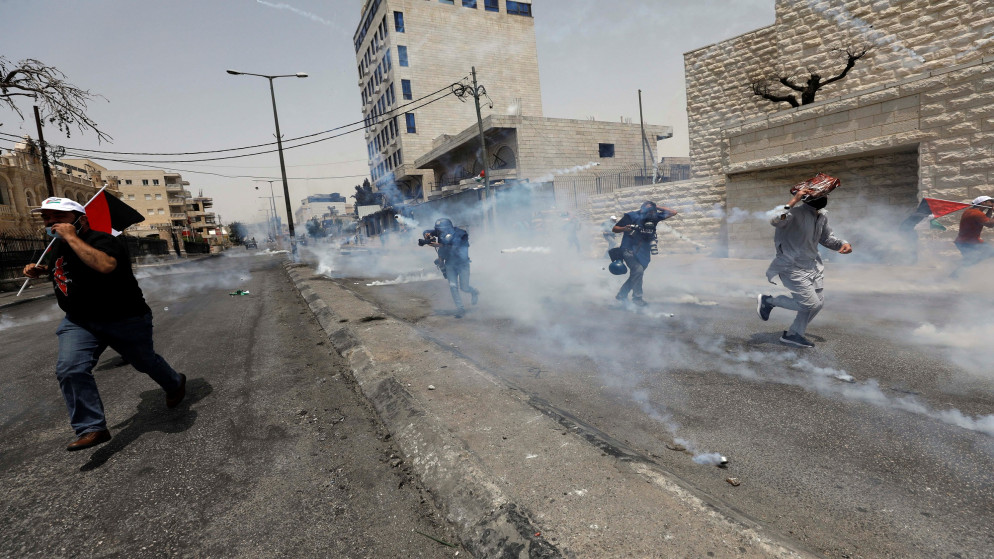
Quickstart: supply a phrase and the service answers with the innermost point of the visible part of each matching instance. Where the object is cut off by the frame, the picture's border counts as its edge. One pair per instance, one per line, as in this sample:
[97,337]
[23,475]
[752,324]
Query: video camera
[427,240]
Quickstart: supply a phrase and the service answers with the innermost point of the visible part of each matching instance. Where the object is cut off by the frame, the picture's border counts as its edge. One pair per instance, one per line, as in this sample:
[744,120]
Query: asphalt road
[895,461]
[272,454]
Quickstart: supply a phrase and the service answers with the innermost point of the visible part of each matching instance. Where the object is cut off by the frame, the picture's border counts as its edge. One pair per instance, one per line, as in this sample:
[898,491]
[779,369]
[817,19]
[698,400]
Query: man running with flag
[971,225]
[104,306]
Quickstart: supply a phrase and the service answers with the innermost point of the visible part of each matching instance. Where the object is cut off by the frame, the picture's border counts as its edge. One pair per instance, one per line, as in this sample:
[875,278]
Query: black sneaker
[796,340]
[460,313]
[763,308]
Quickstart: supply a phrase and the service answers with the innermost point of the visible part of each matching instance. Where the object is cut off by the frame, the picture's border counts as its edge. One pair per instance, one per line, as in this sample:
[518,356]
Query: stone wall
[913,118]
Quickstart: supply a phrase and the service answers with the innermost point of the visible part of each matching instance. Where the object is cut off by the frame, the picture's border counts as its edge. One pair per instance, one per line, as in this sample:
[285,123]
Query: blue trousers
[80,344]
[635,273]
[458,274]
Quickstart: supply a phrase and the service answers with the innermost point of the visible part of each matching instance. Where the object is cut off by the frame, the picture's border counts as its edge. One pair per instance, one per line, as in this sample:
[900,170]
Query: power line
[246,147]
[383,118]
[191,171]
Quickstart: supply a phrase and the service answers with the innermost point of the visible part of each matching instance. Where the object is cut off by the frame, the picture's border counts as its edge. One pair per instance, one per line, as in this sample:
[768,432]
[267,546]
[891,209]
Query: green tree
[237,232]
[316,229]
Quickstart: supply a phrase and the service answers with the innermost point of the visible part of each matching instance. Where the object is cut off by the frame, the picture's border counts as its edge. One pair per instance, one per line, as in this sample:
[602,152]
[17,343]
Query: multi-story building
[158,195]
[202,223]
[317,205]
[408,49]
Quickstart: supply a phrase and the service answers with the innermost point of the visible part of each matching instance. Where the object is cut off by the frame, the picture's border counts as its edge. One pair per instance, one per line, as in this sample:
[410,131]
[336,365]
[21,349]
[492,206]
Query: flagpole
[52,242]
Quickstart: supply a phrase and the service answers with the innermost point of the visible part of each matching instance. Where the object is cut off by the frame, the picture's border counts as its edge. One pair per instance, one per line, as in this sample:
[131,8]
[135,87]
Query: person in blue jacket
[453,252]
[639,228]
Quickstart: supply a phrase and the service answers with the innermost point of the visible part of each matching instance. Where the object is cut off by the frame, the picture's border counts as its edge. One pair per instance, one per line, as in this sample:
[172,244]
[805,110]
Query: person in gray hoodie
[800,227]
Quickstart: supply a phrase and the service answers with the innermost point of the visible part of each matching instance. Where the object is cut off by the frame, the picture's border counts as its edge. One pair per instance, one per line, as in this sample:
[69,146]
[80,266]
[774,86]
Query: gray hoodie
[799,231]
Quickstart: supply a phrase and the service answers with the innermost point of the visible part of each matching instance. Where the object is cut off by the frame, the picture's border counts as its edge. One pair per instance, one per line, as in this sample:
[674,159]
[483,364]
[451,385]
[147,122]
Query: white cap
[980,200]
[60,205]
[614,217]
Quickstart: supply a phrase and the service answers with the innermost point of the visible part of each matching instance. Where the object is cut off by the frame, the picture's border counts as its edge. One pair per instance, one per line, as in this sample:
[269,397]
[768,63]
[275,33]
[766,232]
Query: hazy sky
[161,67]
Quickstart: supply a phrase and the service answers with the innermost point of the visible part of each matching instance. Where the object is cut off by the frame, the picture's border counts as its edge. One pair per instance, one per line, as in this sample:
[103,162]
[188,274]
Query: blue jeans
[80,344]
[458,275]
[635,273]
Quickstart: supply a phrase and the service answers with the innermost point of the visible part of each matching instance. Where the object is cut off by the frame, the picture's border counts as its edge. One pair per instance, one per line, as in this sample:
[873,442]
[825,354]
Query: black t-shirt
[87,294]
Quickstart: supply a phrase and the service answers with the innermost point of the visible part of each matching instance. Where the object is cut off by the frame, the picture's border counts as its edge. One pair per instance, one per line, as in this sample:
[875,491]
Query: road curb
[26,300]
[488,524]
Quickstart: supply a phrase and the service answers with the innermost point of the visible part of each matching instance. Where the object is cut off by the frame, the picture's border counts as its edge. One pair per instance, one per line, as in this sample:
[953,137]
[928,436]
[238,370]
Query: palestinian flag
[108,214]
[480,177]
[940,208]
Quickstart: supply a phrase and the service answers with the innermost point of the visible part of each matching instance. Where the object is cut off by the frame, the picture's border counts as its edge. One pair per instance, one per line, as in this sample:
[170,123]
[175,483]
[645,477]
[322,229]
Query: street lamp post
[272,202]
[279,147]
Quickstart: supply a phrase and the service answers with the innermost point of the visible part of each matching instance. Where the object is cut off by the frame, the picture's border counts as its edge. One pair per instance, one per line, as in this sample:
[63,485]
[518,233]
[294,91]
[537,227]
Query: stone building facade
[160,196]
[407,49]
[913,118]
[23,187]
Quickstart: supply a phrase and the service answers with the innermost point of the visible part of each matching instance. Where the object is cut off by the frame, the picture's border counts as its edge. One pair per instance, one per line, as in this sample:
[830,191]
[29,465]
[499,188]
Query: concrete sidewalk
[515,476]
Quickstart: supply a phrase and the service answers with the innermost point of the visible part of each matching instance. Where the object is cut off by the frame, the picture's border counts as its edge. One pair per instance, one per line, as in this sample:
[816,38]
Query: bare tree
[764,86]
[60,102]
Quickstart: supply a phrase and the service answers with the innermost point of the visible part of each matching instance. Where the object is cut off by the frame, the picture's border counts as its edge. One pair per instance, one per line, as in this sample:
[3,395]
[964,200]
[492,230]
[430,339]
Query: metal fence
[17,252]
[573,191]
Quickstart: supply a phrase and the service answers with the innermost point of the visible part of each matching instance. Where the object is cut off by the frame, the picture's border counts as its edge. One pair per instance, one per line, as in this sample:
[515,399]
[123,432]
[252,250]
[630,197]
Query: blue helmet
[618,267]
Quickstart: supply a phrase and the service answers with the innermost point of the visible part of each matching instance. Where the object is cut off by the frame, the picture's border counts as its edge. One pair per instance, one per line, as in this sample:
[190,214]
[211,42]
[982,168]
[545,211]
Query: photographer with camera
[452,244]
[638,244]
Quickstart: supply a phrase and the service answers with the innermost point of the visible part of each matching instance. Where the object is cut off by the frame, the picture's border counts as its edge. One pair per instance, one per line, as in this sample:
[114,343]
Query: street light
[272,200]
[279,146]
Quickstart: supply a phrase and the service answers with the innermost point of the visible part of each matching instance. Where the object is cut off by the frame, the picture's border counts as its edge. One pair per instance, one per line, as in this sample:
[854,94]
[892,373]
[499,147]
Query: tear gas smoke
[553,174]
[534,290]
[539,250]
[51,313]
[407,222]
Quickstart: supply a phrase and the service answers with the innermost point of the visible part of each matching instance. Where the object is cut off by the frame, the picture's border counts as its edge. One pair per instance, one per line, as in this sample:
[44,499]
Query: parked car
[250,243]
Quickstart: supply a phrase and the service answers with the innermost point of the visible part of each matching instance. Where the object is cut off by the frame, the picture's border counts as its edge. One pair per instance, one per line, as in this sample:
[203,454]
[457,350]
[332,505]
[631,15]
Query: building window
[161,211]
[158,196]
[155,182]
[405,86]
[449,2]
[469,3]
[148,196]
[398,21]
[411,128]
[402,55]
[519,8]
[606,150]
[491,5]
[127,181]
[150,211]
[131,196]
[144,182]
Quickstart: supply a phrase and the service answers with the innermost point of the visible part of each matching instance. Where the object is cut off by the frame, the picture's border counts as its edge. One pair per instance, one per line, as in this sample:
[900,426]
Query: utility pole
[642,124]
[44,156]
[461,90]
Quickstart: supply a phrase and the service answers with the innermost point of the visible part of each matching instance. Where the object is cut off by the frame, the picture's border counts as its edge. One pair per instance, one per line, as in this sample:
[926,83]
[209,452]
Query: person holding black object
[638,244]
[104,306]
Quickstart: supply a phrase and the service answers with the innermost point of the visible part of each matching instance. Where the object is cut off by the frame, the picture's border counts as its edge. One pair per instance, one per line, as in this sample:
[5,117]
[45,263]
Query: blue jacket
[455,245]
[640,240]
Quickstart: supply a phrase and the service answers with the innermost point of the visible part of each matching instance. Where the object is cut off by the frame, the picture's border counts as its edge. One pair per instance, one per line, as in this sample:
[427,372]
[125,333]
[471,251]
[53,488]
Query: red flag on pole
[940,208]
[108,214]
